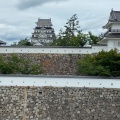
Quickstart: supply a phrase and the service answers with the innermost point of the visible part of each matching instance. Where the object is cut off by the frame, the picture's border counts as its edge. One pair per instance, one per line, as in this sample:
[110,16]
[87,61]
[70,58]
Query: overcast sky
[18,17]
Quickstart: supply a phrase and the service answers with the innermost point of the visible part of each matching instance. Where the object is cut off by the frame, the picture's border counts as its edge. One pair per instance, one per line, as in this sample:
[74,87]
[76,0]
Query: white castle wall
[114,44]
[53,50]
[60,81]
[115,26]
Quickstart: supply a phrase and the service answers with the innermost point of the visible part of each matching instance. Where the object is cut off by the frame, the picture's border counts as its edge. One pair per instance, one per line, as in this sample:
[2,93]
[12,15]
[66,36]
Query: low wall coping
[59,81]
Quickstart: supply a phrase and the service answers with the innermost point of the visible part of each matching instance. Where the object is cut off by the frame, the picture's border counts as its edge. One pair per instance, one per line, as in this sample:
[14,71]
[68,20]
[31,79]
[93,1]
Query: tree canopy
[23,42]
[16,65]
[102,64]
[72,35]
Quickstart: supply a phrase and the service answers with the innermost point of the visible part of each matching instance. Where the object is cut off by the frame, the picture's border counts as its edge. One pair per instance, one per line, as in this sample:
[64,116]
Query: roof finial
[112,9]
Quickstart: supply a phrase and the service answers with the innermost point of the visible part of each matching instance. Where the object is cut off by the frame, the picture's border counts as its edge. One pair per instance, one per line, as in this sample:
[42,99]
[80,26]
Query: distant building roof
[1,42]
[44,22]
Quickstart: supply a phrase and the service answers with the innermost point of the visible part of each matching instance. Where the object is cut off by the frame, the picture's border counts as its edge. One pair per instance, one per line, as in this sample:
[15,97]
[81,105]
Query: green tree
[71,27]
[17,65]
[93,39]
[81,39]
[72,36]
[102,64]
[23,42]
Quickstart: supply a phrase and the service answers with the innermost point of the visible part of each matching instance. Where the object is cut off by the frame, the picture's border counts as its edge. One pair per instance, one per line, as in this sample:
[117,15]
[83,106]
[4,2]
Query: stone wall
[53,64]
[53,103]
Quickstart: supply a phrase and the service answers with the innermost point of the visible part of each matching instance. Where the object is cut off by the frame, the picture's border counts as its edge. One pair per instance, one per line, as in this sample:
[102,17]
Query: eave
[103,41]
[107,26]
[107,38]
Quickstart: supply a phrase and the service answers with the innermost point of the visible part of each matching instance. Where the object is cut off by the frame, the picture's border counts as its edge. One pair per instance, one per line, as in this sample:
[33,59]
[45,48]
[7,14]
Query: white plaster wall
[99,48]
[94,49]
[113,44]
[115,26]
[59,81]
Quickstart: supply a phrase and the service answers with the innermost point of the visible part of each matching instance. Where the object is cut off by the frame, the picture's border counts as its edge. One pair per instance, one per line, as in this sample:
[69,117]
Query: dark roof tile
[44,22]
[112,35]
[114,16]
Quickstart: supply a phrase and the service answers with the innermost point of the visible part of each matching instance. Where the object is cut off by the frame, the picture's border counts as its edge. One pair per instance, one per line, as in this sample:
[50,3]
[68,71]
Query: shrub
[17,65]
[102,64]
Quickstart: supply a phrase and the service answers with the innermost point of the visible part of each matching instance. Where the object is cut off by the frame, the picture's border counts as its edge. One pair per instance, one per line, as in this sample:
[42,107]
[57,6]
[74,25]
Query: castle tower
[43,32]
[112,36]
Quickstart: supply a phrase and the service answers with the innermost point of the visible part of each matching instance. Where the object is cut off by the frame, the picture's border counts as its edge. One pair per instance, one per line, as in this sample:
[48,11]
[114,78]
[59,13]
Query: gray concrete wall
[63,103]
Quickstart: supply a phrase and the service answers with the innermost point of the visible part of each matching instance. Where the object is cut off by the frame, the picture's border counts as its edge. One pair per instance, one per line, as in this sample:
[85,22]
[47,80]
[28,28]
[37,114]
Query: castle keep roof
[44,22]
[43,32]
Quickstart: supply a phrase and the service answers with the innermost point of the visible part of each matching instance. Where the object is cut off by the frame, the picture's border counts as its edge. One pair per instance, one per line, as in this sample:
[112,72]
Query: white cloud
[18,23]
[25,4]
[5,26]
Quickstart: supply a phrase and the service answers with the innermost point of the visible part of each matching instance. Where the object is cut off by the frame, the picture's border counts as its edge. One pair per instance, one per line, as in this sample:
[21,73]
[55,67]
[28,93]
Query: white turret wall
[115,26]
[113,44]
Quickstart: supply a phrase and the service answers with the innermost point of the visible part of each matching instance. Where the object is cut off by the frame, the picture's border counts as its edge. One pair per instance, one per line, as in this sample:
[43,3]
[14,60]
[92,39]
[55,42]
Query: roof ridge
[44,19]
[114,15]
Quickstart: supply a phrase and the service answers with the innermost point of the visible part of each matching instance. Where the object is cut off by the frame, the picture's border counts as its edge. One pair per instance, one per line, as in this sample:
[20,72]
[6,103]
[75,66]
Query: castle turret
[112,36]
[43,32]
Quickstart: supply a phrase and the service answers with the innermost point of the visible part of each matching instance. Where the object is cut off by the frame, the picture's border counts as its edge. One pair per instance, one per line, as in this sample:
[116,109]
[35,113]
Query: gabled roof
[44,22]
[114,17]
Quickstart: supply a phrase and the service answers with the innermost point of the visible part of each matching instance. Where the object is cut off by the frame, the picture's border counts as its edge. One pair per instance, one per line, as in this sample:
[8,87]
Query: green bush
[16,65]
[102,64]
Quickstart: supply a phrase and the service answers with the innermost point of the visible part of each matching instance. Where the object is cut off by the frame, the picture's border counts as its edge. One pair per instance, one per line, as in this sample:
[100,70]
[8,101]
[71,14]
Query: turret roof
[114,16]
[112,35]
[44,21]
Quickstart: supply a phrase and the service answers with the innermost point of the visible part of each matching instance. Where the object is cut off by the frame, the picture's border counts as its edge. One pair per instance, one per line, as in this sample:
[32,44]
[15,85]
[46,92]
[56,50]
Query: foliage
[81,39]
[73,36]
[71,27]
[16,65]
[102,64]
[23,42]
[93,39]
